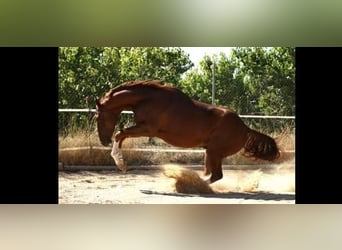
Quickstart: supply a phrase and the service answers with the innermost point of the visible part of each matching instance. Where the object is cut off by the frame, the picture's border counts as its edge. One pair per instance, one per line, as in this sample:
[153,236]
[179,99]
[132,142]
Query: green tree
[166,64]
[250,80]
[84,73]
[228,91]
[268,76]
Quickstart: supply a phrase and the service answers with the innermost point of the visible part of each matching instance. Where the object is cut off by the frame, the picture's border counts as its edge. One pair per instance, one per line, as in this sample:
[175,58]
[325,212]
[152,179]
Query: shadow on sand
[230,195]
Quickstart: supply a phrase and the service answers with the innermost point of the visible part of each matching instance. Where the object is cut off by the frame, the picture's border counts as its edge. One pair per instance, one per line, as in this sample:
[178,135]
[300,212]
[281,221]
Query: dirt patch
[273,185]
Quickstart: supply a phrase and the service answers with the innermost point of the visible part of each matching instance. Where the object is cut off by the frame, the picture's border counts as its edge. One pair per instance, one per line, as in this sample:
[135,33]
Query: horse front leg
[116,154]
[134,131]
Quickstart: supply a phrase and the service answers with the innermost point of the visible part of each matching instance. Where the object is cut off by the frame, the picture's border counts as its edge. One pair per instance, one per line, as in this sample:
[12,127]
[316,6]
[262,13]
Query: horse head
[106,121]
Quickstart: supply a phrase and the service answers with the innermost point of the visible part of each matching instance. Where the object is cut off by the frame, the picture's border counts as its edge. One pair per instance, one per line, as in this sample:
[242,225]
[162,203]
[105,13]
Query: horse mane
[132,84]
[153,84]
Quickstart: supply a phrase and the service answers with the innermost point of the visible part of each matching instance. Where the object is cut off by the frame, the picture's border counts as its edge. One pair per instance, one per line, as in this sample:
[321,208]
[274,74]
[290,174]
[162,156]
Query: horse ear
[98,105]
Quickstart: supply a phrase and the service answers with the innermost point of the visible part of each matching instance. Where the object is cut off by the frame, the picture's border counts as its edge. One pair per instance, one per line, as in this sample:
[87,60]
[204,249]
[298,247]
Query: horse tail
[261,146]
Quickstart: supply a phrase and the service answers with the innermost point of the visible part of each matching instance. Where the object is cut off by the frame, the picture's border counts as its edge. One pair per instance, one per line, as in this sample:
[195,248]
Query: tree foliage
[250,80]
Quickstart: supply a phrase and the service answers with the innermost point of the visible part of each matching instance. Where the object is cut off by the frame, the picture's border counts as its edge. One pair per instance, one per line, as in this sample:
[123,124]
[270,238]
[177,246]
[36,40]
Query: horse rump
[261,146]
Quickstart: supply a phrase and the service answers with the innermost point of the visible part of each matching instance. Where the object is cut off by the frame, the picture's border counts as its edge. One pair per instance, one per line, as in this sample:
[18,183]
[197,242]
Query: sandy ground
[271,185]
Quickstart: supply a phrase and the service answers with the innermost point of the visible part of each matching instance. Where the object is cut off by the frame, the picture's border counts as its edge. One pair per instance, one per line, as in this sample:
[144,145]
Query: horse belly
[185,139]
[183,143]
[183,125]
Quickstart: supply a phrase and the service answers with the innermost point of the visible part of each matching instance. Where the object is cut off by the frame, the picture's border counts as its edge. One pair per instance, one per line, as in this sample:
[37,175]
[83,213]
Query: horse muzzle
[106,142]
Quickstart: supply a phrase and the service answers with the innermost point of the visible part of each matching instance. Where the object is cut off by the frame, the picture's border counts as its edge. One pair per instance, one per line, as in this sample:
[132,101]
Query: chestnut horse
[165,112]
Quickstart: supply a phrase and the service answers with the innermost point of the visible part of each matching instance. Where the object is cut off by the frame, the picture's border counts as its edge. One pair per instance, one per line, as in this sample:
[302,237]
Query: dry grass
[95,156]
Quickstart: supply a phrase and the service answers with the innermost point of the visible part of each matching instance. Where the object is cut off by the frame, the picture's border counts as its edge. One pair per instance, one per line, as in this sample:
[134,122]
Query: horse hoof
[119,162]
[122,166]
[118,159]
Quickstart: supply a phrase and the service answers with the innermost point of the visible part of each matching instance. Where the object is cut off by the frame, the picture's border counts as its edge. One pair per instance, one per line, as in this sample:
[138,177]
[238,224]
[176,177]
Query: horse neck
[124,98]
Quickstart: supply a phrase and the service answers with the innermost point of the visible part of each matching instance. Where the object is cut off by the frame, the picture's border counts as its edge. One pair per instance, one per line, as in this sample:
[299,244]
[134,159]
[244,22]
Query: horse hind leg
[207,166]
[213,165]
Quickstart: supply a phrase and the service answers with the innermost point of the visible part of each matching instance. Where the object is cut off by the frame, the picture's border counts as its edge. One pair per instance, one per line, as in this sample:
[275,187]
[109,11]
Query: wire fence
[81,121]
[79,144]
